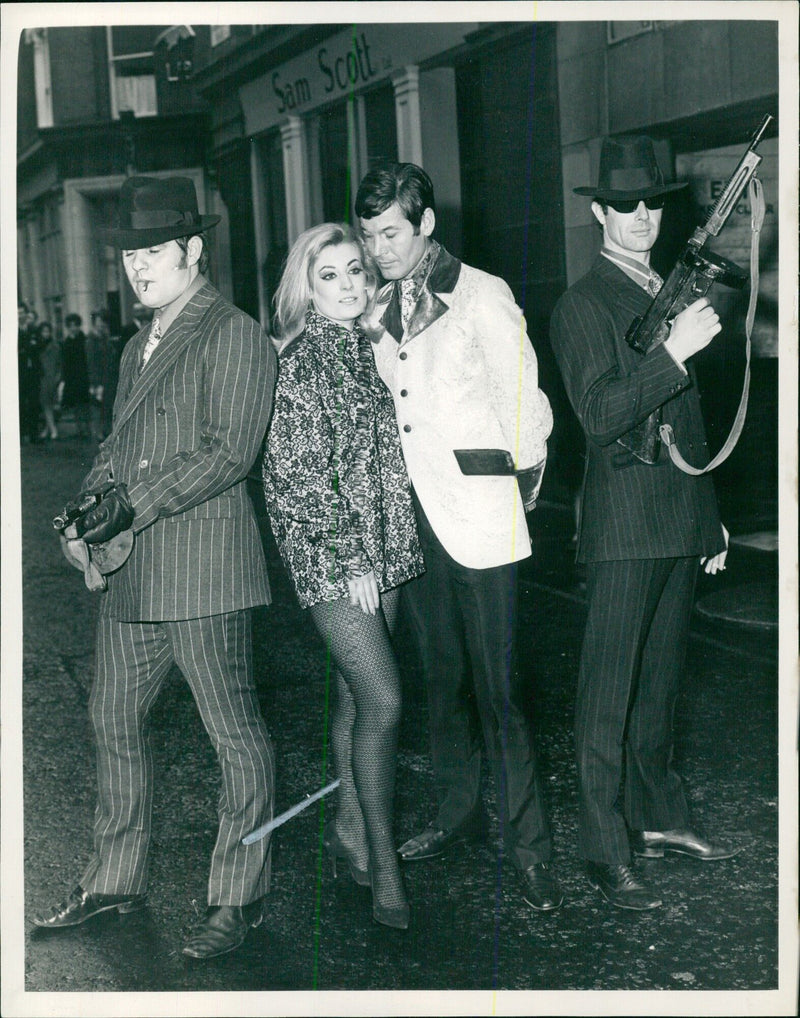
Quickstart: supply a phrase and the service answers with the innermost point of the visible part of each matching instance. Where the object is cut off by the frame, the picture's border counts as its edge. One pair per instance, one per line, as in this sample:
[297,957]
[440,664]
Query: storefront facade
[440,95]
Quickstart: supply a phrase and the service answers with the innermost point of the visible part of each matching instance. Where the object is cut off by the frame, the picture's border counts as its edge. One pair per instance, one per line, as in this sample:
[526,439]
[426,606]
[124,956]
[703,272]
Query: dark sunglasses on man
[632,204]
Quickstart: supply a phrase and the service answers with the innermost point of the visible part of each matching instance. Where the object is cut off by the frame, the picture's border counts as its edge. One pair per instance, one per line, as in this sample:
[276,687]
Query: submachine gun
[697,268]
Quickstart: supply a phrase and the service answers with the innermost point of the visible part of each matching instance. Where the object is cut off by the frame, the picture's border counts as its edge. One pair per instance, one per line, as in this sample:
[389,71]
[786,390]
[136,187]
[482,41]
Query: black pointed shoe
[223,929]
[653,845]
[434,841]
[542,891]
[618,885]
[427,845]
[81,905]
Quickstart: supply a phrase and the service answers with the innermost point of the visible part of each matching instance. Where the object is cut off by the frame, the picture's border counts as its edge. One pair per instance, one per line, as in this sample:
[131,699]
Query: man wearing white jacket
[451,345]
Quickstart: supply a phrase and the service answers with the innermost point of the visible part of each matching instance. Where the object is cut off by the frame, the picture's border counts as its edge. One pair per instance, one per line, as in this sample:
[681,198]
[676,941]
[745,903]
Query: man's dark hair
[205,260]
[405,183]
[73,319]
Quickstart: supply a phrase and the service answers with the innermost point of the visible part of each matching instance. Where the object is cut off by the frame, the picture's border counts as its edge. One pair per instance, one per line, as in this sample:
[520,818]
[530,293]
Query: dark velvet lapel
[442,278]
[444,273]
[392,321]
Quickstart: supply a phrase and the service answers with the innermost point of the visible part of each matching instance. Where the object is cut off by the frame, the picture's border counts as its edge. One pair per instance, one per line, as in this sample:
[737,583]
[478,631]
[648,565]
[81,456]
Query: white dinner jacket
[464,376]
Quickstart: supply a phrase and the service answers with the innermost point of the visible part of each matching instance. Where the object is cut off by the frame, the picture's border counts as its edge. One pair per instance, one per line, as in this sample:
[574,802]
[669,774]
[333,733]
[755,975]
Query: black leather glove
[113,515]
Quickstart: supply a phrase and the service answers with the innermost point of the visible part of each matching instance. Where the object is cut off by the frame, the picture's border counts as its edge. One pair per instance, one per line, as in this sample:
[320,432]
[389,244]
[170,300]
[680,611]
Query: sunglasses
[632,204]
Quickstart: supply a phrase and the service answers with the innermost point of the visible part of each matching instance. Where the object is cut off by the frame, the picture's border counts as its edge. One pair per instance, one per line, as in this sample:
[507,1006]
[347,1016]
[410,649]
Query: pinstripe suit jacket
[186,431]
[630,509]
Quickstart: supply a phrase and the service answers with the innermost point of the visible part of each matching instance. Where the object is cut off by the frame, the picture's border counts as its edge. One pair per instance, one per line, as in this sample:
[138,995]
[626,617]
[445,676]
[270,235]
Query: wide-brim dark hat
[153,210]
[628,169]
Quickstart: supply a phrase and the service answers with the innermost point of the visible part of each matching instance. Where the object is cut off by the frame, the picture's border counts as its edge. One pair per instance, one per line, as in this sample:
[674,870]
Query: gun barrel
[760,132]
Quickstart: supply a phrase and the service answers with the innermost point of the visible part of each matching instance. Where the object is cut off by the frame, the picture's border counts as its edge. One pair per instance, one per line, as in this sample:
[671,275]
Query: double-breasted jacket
[631,509]
[187,429]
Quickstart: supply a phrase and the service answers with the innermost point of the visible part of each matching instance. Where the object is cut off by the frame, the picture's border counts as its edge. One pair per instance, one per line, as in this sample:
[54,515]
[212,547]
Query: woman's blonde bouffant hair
[293,295]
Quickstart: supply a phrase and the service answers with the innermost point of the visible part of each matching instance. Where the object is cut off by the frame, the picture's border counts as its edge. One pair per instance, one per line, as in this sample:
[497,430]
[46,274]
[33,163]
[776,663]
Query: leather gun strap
[757,210]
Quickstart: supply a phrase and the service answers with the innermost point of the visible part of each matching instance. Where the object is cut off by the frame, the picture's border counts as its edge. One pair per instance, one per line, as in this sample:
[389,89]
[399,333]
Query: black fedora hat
[628,169]
[153,210]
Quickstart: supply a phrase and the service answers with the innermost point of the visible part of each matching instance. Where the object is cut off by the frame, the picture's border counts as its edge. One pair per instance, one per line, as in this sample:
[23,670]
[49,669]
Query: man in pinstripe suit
[644,525]
[193,403]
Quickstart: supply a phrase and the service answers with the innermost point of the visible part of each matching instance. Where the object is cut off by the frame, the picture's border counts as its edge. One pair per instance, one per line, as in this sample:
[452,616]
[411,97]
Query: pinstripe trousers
[132,662]
[633,656]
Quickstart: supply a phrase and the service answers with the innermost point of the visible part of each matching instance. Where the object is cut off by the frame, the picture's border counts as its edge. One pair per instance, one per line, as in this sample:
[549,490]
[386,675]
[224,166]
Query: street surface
[470,928]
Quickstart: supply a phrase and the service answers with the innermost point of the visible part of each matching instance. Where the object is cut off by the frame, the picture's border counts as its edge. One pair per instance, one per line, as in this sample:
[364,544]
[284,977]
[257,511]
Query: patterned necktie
[152,340]
[408,298]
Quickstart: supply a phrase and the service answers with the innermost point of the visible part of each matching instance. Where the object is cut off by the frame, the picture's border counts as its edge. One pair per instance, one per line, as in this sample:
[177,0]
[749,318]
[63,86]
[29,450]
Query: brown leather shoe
[653,845]
[541,888]
[223,929]
[81,905]
[618,885]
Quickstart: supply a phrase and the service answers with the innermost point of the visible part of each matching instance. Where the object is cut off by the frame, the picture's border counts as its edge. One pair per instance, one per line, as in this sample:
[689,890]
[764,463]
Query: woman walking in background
[75,374]
[49,378]
[338,501]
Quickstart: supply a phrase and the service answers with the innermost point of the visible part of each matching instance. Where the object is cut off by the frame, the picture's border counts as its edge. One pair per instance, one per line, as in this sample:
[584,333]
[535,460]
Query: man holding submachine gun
[622,338]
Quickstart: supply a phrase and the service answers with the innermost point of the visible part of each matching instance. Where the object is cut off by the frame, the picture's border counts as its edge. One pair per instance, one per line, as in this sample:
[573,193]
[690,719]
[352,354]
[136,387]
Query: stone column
[295,173]
[83,287]
[406,101]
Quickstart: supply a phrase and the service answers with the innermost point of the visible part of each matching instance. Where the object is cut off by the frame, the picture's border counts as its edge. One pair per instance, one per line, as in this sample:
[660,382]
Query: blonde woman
[338,500]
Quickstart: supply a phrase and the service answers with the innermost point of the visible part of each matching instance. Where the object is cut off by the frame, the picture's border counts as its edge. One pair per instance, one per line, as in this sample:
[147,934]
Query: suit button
[406,427]
[161,411]
[143,464]
[404,392]
[403,355]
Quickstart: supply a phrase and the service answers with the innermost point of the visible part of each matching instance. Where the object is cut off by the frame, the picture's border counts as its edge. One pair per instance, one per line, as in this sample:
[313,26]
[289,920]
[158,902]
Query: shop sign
[344,64]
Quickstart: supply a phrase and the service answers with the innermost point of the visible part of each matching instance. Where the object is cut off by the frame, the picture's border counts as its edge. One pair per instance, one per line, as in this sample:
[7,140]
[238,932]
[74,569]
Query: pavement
[470,928]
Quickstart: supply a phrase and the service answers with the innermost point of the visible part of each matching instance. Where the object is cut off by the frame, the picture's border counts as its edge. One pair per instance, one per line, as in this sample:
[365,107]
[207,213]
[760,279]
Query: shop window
[338,188]
[381,125]
[273,228]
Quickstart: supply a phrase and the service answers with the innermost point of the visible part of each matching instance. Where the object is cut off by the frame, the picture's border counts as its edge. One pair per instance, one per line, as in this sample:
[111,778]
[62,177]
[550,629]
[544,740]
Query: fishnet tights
[364,726]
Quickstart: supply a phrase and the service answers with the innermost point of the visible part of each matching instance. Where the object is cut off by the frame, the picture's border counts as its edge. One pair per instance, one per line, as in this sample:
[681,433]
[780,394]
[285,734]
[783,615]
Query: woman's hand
[364,592]
[370,319]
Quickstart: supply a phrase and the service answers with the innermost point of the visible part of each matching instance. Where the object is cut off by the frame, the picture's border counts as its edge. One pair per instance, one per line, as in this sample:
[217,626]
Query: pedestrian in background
[192,409]
[49,378]
[75,374]
[338,501]
[644,524]
[452,347]
[97,362]
[28,371]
